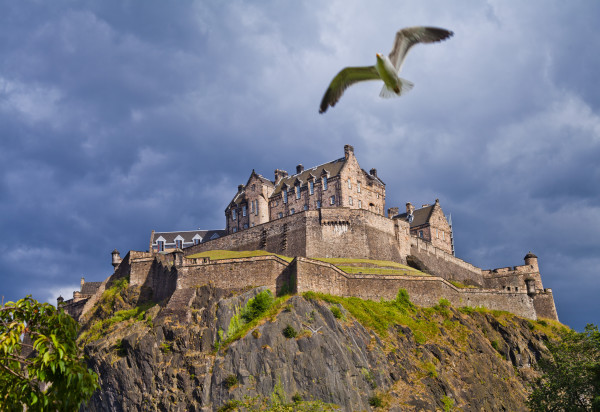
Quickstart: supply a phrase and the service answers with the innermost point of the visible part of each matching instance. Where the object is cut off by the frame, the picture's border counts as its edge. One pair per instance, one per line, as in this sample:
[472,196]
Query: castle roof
[420,216]
[89,288]
[188,235]
[330,169]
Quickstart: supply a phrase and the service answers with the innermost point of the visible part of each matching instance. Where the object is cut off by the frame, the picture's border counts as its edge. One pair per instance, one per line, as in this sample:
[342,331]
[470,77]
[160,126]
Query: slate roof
[89,288]
[187,235]
[333,168]
[420,216]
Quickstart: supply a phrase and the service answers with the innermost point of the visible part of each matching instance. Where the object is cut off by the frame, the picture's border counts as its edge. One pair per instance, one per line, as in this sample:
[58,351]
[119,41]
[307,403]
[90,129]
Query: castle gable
[329,169]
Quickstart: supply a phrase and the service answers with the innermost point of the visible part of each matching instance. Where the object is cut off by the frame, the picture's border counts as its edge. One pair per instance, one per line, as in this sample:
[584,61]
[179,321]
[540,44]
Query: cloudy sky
[119,117]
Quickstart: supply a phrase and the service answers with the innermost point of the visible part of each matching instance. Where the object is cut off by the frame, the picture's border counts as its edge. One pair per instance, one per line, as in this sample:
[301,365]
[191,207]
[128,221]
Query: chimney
[392,211]
[240,188]
[299,169]
[373,172]
[425,205]
[348,150]
[409,208]
[279,174]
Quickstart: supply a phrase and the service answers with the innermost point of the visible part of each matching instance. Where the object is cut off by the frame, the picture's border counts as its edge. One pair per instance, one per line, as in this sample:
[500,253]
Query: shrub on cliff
[46,370]
[257,305]
[571,374]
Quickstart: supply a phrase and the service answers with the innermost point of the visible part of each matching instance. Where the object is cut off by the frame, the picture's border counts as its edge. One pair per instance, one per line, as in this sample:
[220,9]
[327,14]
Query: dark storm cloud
[120,117]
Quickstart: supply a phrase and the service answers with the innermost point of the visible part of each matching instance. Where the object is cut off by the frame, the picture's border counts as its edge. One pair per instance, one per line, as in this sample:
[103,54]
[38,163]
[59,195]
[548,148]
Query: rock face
[170,360]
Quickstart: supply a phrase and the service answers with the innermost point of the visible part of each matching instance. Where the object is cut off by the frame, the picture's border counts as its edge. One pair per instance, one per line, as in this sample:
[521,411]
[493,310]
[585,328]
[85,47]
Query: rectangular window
[280,215]
[349,184]
[196,241]
[360,204]
[285,195]
[292,211]
[256,207]
[350,200]
[318,204]
[161,246]
[305,207]
[332,200]
[245,225]
[234,214]
[298,192]
[358,187]
[244,210]
[178,244]
[324,182]
[421,234]
[311,187]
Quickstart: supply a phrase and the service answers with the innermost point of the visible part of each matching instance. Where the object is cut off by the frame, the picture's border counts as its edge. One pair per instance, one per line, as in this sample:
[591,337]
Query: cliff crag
[359,355]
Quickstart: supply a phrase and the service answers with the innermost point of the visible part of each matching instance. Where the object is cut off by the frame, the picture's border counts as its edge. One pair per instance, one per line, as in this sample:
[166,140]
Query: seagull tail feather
[404,86]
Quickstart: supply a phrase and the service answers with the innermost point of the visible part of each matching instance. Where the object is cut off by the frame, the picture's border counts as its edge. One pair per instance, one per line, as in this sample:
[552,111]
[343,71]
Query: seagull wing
[408,37]
[344,79]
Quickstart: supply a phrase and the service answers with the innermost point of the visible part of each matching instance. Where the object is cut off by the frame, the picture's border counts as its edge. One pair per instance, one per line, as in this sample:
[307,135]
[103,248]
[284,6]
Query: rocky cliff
[311,351]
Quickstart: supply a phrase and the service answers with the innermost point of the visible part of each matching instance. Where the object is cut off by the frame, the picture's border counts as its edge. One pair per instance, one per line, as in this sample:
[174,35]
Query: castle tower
[532,260]
[116,259]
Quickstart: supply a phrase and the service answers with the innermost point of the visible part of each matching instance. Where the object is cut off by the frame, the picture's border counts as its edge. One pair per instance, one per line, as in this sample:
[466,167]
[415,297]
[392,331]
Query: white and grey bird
[386,68]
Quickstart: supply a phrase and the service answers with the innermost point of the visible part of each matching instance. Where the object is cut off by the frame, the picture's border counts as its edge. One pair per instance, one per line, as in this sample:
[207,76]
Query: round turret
[531,260]
[116,258]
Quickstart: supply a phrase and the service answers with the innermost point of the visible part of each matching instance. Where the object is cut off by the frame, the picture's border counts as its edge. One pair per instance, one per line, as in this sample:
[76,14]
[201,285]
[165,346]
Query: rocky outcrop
[176,360]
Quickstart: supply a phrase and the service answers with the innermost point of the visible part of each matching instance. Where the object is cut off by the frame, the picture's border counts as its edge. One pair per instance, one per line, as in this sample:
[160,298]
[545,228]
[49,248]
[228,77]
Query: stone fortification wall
[269,271]
[512,278]
[544,304]
[443,264]
[285,236]
[328,232]
[423,290]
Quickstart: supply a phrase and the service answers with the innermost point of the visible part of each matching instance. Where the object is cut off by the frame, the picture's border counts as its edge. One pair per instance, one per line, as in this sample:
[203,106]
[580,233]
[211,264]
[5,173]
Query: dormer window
[197,241]
[298,192]
[324,182]
[311,187]
[285,195]
[179,243]
[160,246]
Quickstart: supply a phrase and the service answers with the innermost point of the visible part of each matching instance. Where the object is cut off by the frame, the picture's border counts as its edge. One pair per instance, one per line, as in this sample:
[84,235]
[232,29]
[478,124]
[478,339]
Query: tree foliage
[571,374]
[40,364]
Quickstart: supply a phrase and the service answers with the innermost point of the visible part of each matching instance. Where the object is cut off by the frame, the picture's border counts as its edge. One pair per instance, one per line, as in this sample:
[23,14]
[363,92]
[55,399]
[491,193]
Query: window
[234,214]
[360,204]
[437,233]
[311,187]
[332,200]
[350,200]
[349,184]
[252,207]
[421,234]
[285,195]
[305,207]
[292,211]
[324,182]
[253,187]
[161,246]
[245,225]
[377,195]
[252,224]
[298,192]
[196,241]
[280,215]
[179,243]
[358,187]
[244,210]
[318,204]
[256,207]
[234,229]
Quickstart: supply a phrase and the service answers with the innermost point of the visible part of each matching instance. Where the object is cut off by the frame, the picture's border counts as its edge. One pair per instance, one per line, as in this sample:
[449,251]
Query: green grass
[371,266]
[232,254]
[380,316]
[462,285]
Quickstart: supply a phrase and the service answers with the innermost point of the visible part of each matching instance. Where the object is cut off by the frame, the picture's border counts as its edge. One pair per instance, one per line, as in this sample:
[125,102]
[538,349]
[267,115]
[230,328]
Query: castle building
[338,183]
[430,224]
[169,241]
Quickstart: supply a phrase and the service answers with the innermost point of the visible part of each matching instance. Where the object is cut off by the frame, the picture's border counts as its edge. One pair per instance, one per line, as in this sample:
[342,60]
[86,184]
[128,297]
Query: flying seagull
[386,68]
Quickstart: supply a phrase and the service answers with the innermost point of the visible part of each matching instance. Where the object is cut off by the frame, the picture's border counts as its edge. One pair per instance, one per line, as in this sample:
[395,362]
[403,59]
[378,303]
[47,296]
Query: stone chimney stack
[348,151]
[373,172]
[299,169]
[409,208]
[392,211]
[279,174]
[240,188]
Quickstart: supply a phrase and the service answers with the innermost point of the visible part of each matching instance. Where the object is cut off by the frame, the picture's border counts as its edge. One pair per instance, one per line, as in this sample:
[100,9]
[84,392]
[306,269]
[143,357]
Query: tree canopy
[40,364]
[570,378]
